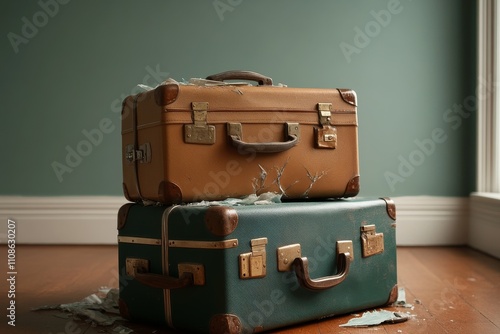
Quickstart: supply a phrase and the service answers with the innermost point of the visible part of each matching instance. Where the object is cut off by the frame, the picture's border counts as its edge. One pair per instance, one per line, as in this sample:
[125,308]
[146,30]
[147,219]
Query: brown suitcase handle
[235,133]
[271,147]
[262,80]
[165,282]
[301,266]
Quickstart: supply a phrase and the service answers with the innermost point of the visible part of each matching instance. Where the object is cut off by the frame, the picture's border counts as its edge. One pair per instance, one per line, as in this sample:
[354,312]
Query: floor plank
[452,289]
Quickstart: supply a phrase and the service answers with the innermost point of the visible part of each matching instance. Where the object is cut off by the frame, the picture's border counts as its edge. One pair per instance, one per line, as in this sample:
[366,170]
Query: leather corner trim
[225,324]
[390,206]
[166,94]
[348,95]
[393,295]
[169,193]
[352,188]
[221,220]
[122,215]
[124,312]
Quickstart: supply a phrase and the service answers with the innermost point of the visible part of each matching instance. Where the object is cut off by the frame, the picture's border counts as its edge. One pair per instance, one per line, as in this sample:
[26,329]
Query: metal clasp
[286,255]
[326,136]
[199,132]
[196,269]
[324,113]
[142,155]
[253,265]
[345,246]
[135,265]
[372,242]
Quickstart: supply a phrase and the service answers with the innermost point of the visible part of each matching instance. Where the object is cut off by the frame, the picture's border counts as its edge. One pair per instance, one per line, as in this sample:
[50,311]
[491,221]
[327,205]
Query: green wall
[67,65]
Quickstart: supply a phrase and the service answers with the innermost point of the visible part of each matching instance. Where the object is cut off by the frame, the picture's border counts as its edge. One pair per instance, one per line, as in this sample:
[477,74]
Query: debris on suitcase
[253,199]
[200,82]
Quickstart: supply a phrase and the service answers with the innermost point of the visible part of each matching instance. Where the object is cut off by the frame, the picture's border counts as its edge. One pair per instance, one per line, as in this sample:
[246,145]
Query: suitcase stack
[199,261]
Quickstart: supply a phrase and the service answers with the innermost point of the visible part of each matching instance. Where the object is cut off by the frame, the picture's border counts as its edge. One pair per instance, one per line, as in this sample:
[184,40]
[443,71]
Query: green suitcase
[251,268]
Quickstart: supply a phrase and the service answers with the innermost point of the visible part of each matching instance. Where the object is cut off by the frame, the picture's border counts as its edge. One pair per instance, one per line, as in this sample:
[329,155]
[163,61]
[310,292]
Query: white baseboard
[432,220]
[61,220]
[421,220]
[484,227]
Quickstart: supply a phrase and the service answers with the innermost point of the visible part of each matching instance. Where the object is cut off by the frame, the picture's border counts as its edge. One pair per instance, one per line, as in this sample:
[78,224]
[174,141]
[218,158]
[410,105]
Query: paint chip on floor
[374,318]
[401,301]
[100,308]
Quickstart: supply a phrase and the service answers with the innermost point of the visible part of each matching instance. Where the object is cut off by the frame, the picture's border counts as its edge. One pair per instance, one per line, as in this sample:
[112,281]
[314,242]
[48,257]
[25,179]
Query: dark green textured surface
[143,303]
[276,299]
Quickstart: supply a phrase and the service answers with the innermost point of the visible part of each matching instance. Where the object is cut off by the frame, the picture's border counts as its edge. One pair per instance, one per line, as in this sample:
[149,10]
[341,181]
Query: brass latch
[326,135]
[139,269]
[253,265]
[200,132]
[345,246]
[142,155]
[372,242]
[134,265]
[286,255]
[235,129]
[197,270]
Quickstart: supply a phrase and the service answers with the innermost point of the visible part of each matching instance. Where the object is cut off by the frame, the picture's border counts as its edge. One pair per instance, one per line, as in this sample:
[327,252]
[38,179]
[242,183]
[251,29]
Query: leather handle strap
[165,282]
[262,80]
[301,266]
[235,135]
[271,147]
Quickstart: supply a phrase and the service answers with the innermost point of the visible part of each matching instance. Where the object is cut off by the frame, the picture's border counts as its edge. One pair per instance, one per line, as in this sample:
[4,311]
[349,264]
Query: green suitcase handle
[242,75]
[165,282]
[301,266]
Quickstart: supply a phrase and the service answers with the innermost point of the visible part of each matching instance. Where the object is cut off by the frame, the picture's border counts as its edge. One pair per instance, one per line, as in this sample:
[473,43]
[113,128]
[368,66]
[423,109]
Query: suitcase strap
[136,147]
[165,282]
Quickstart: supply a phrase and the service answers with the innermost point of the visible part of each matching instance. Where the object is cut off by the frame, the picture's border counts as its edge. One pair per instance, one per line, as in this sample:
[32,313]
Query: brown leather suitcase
[218,138]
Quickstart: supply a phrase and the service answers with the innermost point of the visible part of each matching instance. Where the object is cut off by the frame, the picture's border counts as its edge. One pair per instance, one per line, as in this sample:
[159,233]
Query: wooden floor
[453,290]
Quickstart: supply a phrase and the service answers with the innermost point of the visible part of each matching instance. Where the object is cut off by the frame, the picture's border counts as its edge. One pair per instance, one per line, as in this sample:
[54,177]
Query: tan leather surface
[219,170]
